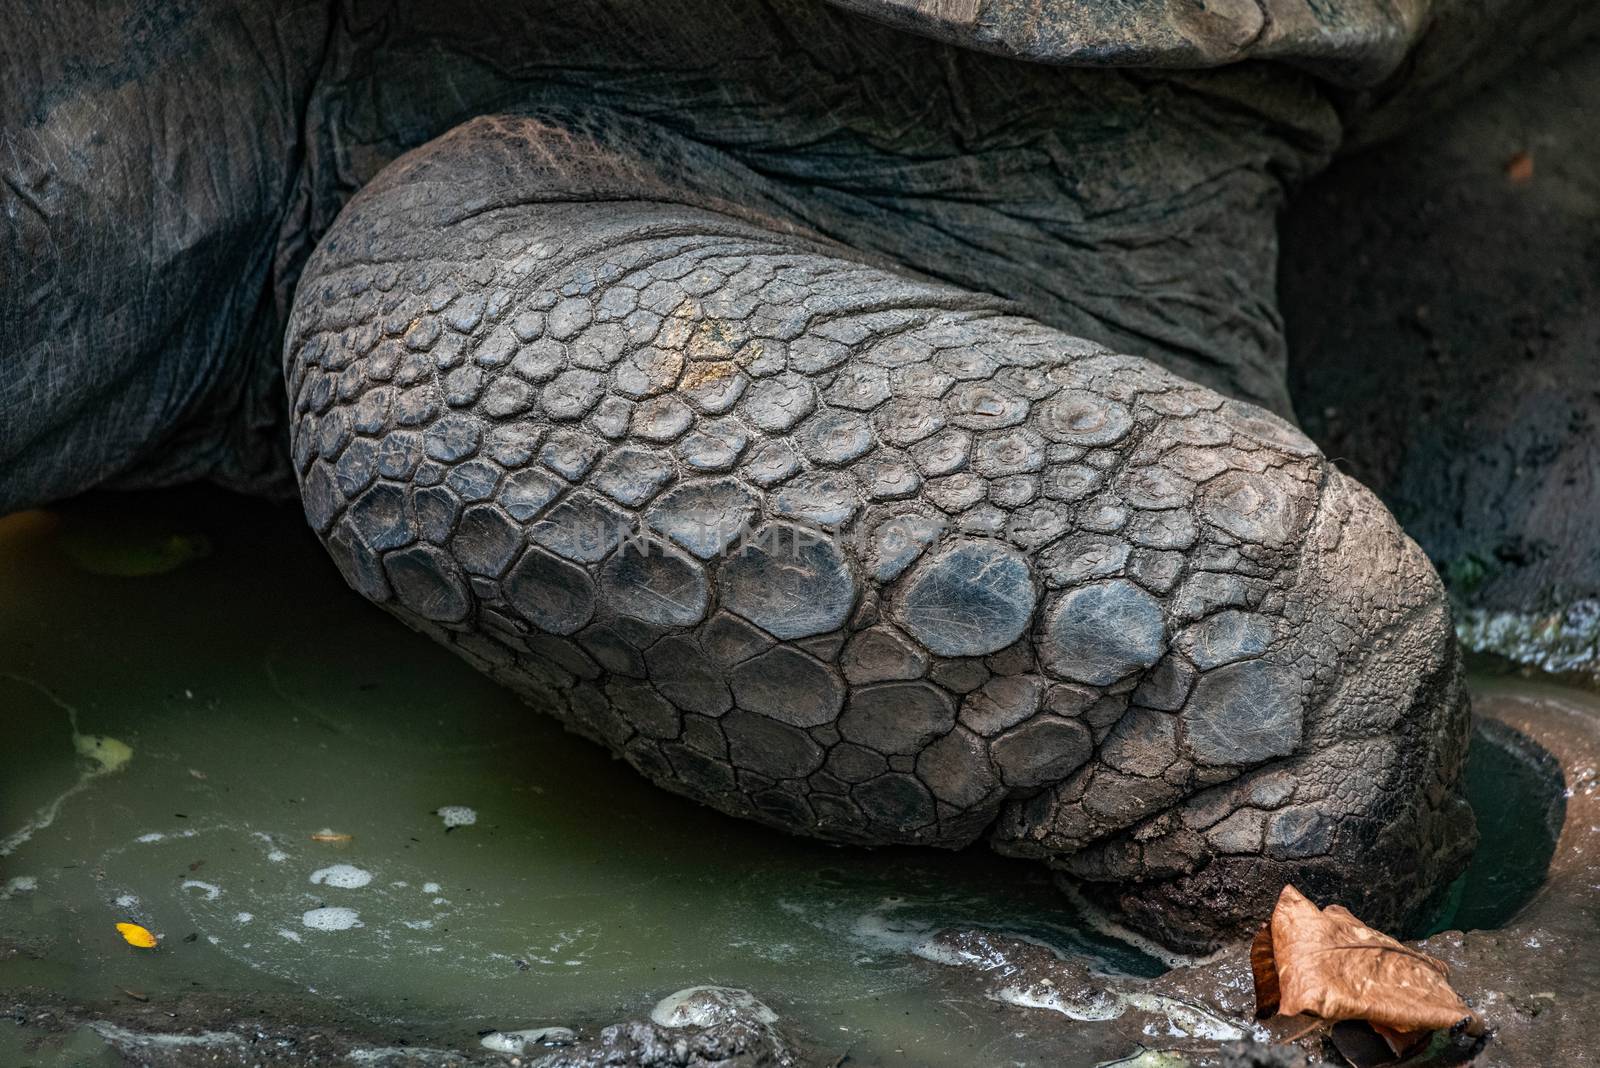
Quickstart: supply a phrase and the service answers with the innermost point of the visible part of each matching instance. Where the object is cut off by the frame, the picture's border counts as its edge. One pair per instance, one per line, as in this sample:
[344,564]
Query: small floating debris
[103,749]
[130,550]
[136,936]
[328,834]
[519,1042]
[274,854]
[1519,168]
[344,876]
[331,918]
[456,816]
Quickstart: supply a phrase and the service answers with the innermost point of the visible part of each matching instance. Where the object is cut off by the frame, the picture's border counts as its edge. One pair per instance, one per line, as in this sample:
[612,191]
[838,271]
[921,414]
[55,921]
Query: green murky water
[264,703]
[190,697]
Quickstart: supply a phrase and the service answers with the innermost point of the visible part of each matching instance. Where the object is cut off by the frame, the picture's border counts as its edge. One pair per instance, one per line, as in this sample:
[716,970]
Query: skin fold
[868,435]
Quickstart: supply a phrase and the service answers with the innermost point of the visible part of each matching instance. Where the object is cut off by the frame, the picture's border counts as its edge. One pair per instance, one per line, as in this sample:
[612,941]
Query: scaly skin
[1000,581]
[767,261]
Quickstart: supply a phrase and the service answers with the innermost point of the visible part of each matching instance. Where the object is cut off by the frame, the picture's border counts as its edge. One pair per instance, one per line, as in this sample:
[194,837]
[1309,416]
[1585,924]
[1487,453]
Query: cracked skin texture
[559,272]
[861,554]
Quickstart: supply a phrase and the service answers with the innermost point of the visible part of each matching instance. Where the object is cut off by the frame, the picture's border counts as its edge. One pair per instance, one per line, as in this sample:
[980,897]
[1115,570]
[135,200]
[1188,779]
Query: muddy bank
[1536,979]
[193,1030]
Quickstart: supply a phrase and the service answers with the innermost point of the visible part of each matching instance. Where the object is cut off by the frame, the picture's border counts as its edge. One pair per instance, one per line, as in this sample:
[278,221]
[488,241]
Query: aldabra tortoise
[865,418]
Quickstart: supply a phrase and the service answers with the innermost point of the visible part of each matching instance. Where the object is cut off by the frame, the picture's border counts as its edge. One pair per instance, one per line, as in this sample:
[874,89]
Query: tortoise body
[869,419]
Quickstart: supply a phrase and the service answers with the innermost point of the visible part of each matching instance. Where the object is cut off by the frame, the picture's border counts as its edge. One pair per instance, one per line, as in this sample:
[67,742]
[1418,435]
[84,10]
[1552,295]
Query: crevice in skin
[875,114]
[295,239]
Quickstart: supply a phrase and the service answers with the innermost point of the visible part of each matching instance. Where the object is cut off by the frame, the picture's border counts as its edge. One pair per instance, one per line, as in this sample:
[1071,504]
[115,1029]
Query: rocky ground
[705,1027]
[1534,980]
[1442,298]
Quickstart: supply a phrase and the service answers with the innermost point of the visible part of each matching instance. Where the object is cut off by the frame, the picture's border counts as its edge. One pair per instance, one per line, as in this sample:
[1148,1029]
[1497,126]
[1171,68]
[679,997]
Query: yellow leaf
[104,750]
[137,936]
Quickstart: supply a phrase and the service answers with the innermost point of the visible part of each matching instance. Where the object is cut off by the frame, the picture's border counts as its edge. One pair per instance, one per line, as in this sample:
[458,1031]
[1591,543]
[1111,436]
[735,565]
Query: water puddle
[300,798]
[314,800]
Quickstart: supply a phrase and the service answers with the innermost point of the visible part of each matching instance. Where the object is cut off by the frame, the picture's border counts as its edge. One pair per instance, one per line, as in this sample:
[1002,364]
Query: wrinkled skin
[745,384]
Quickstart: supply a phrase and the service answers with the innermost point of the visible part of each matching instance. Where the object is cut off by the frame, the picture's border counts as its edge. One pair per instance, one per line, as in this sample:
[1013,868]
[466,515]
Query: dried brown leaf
[1400,1043]
[1332,965]
[1265,971]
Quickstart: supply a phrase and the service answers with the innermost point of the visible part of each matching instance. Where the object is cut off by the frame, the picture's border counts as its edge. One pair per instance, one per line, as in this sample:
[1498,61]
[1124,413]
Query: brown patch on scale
[711,340]
[707,373]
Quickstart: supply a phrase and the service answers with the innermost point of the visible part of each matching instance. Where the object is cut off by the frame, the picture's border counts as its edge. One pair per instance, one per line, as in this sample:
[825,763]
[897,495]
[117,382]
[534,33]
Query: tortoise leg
[860,555]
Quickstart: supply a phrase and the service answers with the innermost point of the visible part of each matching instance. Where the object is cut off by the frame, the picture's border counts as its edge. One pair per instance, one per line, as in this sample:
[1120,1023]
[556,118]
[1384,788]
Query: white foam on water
[403,1054]
[284,932]
[331,918]
[344,876]
[1189,1021]
[243,917]
[122,1037]
[517,1042]
[942,953]
[456,816]
[153,836]
[503,1042]
[1102,1006]
[430,888]
[1101,922]
[274,854]
[1182,1019]
[211,890]
[419,925]
[878,928]
[22,884]
[107,754]
[127,901]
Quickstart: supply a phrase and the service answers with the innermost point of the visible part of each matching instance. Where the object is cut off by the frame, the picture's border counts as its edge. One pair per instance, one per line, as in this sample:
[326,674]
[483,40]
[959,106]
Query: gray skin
[749,385]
